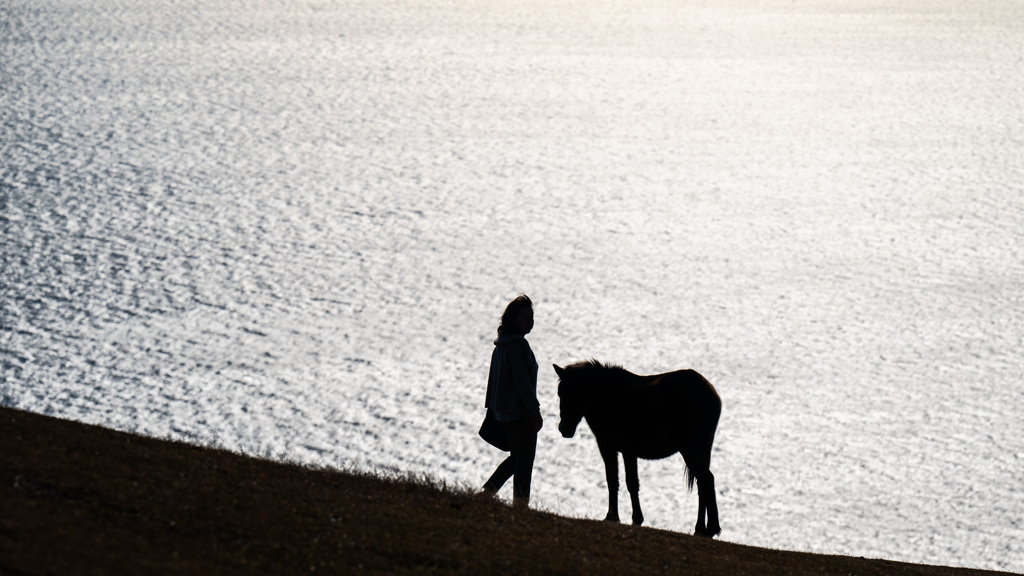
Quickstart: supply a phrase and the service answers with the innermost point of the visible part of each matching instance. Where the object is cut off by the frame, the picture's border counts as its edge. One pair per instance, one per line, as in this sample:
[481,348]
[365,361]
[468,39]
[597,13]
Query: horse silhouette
[649,417]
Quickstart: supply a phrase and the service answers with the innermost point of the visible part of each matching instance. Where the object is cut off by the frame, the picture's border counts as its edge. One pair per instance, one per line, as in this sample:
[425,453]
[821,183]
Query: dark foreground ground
[79,499]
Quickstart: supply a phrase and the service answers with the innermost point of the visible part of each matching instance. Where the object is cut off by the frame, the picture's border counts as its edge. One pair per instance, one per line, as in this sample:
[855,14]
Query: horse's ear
[559,370]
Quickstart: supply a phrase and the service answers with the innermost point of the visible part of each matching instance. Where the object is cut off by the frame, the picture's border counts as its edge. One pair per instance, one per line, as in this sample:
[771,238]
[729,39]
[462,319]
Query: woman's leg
[501,474]
[523,439]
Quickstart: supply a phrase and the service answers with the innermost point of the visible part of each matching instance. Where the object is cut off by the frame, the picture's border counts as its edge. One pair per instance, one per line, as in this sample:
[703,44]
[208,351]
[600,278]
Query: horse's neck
[614,386]
[621,380]
[609,396]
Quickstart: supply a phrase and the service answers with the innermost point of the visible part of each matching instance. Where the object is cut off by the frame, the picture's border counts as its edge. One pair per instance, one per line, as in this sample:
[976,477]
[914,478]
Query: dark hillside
[79,499]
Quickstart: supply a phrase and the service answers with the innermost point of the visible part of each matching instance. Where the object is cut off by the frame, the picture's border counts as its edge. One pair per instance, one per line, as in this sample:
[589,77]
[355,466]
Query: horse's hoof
[704,533]
[611,518]
[638,521]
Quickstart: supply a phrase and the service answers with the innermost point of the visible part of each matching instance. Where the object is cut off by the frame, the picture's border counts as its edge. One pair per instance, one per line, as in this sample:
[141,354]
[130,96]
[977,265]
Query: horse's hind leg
[708,502]
[633,485]
[700,529]
[611,473]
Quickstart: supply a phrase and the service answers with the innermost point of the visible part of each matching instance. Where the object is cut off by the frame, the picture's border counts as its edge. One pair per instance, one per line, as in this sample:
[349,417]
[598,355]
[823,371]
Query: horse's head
[570,402]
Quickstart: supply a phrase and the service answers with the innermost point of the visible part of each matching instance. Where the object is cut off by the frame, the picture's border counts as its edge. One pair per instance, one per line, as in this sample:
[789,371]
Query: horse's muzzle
[567,431]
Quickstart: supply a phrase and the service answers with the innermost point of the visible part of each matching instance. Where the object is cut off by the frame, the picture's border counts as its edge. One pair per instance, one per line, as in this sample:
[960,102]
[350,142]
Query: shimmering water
[288,228]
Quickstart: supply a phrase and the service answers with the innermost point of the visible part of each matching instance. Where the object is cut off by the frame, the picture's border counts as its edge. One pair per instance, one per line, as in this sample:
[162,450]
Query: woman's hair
[508,319]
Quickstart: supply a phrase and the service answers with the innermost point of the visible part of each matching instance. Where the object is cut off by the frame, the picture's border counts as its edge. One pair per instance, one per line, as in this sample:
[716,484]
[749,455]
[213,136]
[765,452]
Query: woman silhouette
[512,394]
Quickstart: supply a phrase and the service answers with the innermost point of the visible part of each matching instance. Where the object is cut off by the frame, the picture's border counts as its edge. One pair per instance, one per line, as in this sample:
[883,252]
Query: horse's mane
[598,370]
[591,364]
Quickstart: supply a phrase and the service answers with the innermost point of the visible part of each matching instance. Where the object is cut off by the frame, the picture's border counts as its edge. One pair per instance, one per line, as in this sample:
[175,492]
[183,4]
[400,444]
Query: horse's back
[688,384]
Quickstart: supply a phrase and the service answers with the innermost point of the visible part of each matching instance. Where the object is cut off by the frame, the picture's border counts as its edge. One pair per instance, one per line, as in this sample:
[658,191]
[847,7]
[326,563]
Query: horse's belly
[655,454]
[649,447]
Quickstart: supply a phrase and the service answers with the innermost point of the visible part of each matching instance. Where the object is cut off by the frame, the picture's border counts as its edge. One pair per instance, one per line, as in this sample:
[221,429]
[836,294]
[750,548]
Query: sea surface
[289,227]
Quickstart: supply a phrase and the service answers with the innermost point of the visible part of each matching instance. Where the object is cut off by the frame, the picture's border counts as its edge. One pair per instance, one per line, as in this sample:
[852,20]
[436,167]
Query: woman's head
[518,317]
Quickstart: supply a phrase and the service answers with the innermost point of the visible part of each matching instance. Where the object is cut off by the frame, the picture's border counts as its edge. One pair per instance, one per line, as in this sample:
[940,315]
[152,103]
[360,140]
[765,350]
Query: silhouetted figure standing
[512,394]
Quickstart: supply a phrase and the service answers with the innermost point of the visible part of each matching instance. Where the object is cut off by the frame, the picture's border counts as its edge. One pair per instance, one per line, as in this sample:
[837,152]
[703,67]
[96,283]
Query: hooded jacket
[512,382]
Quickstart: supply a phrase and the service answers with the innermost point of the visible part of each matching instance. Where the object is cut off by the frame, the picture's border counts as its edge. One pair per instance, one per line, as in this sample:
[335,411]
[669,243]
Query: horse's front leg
[611,473]
[633,485]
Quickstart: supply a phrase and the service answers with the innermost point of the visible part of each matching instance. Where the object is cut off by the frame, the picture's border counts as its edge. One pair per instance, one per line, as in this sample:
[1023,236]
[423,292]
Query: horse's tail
[699,456]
